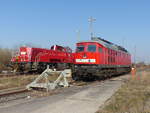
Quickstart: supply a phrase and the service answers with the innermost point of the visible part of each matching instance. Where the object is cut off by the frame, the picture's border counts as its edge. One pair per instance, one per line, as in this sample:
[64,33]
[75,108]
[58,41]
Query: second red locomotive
[37,59]
[99,58]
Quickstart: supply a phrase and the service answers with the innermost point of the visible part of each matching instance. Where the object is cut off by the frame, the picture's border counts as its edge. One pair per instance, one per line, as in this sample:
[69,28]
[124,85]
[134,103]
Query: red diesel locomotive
[37,59]
[92,59]
[100,58]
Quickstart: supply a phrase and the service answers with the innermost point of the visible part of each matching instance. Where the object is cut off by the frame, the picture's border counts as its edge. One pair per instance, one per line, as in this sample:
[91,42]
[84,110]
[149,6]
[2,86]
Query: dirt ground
[75,99]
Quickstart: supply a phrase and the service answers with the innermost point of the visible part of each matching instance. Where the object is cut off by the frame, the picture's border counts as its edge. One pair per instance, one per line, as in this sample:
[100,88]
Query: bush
[5,57]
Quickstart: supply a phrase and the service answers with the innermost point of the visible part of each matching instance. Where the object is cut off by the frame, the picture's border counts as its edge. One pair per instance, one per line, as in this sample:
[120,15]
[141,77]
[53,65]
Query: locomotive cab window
[100,49]
[80,49]
[92,48]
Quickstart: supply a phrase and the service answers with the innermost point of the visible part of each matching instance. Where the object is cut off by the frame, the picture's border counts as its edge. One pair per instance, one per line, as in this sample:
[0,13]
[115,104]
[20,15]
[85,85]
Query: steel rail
[11,91]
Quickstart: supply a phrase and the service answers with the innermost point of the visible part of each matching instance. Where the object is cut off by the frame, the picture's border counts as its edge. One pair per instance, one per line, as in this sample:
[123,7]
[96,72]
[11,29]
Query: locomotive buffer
[61,81]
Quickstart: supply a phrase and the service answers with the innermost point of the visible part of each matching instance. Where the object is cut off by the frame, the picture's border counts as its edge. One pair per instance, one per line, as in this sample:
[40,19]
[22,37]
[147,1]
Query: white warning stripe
[86,60]
[23,53]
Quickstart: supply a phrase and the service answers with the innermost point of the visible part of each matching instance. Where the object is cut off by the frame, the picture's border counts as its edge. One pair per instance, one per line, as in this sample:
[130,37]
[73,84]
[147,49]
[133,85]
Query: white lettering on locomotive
[86,60]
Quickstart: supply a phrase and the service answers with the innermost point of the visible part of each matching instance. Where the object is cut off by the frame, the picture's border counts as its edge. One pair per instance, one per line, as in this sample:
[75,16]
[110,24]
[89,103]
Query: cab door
[101,55]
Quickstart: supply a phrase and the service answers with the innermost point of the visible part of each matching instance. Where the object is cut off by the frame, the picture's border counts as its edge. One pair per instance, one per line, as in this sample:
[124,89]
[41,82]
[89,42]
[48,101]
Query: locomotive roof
[107,44]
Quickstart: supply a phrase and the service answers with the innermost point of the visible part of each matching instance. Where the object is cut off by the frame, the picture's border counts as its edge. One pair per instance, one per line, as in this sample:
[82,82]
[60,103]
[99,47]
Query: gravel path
[76,99]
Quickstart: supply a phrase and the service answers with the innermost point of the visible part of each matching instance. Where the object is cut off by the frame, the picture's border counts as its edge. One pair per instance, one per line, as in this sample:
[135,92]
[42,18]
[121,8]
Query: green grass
[132,97]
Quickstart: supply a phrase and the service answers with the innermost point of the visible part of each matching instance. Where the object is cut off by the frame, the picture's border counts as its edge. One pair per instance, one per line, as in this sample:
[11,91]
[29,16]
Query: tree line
[5,57]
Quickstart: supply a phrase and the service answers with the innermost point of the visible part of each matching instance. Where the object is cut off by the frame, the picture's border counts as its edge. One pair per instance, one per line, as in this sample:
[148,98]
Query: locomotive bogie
[99,71]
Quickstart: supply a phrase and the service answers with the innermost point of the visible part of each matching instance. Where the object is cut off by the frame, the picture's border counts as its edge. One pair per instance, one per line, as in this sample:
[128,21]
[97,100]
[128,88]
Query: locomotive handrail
[39,54]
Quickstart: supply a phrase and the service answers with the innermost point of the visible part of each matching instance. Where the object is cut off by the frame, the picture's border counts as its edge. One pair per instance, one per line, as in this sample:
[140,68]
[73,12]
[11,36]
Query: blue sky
[47,22]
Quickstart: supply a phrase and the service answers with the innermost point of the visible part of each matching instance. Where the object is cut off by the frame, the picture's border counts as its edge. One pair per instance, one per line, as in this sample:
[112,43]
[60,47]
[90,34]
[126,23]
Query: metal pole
[91,20]
[123,42]
[135,56]
[78,35]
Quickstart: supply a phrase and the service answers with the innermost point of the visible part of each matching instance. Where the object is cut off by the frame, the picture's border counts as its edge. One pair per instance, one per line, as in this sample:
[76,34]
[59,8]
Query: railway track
[10,91]
[13,94]
[9,75]
[14,75]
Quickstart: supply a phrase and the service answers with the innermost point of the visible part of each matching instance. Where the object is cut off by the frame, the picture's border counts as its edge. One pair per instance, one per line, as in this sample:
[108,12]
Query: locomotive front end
[86,53]
[86,59]
[21,59]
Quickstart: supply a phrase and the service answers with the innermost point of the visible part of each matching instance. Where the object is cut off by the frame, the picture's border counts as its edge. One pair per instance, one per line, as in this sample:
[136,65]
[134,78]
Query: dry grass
[17,81]
[23,80]
[133,97]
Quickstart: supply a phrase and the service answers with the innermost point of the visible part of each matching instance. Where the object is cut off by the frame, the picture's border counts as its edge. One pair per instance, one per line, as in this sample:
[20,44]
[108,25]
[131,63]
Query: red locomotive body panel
[87,53]
[57,55]
[28,54]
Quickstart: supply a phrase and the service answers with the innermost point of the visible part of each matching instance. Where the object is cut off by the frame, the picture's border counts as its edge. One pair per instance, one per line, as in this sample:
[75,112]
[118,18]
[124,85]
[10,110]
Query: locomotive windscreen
[80,48]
